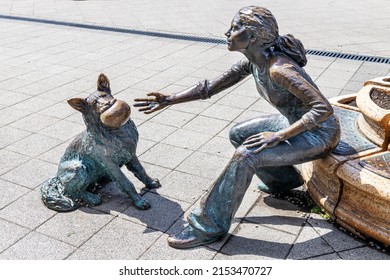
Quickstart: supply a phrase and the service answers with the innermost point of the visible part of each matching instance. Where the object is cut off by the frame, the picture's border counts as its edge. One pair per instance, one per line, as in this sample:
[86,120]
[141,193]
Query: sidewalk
[42,65]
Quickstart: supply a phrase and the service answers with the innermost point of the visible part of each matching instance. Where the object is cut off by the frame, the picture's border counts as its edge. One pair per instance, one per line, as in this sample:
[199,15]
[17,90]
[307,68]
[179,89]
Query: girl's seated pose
[268,146]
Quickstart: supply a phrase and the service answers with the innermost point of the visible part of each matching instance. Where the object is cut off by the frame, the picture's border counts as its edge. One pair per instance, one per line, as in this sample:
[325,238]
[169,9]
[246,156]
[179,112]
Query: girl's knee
[234,137]
[242,153]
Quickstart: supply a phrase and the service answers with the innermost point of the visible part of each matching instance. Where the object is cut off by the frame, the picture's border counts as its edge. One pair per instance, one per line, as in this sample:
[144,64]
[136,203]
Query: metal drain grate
[120,30]
[184,37]
[376,59]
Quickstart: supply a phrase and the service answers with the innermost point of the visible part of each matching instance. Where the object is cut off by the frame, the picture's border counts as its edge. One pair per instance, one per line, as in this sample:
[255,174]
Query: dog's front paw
[142,204]
[154,184]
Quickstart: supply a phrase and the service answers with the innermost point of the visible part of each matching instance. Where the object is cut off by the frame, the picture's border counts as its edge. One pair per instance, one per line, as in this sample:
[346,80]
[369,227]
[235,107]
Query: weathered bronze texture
[97,154]
[267,146]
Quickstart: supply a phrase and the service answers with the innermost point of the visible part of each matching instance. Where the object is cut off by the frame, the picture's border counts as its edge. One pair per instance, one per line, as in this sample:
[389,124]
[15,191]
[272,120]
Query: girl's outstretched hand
[155,102]
[263,140]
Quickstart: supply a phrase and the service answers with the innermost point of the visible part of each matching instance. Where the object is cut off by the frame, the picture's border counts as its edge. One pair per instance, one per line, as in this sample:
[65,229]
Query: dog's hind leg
[136,167]
[126,186]
[76,177]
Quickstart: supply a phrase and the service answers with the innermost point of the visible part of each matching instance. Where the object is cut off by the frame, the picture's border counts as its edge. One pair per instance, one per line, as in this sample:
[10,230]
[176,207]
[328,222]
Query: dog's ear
[103,84]
[78,103]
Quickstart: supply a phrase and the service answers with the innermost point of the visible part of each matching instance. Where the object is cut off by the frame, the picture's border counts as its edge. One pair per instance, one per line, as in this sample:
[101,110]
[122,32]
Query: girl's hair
[263,25]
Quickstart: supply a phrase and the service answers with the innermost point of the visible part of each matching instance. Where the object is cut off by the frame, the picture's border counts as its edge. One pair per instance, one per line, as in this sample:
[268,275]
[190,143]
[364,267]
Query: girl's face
[238,38]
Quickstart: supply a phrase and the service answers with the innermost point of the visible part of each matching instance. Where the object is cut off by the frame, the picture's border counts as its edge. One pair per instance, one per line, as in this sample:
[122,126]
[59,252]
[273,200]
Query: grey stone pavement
[42,65]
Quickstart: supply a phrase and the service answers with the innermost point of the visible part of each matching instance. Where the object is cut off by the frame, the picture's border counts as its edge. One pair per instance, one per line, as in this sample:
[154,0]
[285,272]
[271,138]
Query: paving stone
[75,227]
[204,165]
[143,145]
[246,88]
[309,244]
[251,241]
[9,135]
[222,112]
[36,246]
[34,104]
[331,82]
[76,118]
[313,71]
[9,160]
[60,94]
[334,237]
[160,250]
[192,107]
[162,214]
[183,186]
[63,130]
[248,115]
[36,89]
[338,73]
[9,98]
[333,256]
[34,122]
[218,146]
[330,92]
[34,145]
[172,156]
[206,125]
[13,83]
[10,233]
[28,211]
[10,192]
[364,253]
[237,101]
[55,154]
[155,131]
[173,118]
[374,69]
[354,86]
[226,131]
[276,213]
[10,114]
[35,75]
[119,240]
[59,110]
[186,139]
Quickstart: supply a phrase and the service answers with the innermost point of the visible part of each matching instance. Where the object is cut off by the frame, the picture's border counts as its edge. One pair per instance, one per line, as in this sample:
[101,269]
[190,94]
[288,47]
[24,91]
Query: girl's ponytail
[292,47]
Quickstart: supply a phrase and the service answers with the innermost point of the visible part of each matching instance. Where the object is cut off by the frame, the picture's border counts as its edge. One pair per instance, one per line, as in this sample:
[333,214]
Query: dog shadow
[162,214]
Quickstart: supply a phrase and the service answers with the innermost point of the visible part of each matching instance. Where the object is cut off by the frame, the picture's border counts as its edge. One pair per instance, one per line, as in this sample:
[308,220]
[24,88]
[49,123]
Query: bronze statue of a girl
[268,146]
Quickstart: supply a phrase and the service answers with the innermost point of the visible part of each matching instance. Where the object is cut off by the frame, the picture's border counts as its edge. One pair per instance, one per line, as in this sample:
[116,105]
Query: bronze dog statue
[98,153]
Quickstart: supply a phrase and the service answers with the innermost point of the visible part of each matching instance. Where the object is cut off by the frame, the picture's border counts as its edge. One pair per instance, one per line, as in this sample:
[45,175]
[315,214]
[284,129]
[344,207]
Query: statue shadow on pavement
[162,214]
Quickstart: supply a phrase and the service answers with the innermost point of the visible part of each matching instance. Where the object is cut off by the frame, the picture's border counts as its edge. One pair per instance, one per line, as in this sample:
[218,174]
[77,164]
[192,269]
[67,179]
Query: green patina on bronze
[267,146]
[98,153]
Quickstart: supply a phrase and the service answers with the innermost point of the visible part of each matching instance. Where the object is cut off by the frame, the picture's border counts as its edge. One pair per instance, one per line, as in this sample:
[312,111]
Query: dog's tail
[52,194]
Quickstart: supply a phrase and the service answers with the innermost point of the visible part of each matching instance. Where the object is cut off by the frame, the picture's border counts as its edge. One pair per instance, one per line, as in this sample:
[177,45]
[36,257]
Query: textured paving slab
[36,246]
[43,65]
[253,241]
[119,240]
[7,239]
[76,227]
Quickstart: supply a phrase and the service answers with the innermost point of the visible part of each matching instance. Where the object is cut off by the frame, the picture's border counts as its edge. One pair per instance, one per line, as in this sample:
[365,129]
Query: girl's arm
[202,90]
